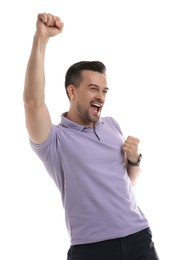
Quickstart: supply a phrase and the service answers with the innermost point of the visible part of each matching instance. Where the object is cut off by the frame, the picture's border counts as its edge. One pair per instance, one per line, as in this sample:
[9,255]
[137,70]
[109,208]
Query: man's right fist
[49,25]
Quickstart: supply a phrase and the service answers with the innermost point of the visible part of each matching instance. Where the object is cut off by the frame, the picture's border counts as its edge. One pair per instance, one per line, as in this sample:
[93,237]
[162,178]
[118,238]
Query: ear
[71,91]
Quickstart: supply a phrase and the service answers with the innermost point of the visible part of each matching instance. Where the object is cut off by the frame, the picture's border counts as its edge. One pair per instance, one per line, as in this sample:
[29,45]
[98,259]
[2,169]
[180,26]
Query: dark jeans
[138,246]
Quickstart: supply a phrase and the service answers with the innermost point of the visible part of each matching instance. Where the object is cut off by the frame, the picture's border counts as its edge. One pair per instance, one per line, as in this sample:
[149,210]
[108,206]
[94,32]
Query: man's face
[90,97]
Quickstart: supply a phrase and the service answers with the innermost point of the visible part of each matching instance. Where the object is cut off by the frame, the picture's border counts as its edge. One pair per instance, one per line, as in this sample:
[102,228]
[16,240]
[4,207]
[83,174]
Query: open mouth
[96,108]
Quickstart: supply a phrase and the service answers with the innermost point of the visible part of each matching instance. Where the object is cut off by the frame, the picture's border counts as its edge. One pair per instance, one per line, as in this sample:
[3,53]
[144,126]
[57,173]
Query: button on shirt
[87,165]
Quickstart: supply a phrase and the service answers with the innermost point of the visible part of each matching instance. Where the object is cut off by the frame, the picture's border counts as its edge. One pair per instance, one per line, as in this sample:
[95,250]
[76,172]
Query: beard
[86,116]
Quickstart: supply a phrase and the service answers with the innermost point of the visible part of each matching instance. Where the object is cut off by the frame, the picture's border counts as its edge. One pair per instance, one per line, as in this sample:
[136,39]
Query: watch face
[139,158]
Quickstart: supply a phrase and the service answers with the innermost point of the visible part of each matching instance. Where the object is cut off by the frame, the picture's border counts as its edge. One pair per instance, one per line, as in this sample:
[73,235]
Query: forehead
[94,77]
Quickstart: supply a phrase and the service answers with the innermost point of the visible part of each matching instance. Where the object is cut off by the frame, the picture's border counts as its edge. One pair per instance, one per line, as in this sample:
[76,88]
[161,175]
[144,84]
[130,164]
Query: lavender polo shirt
[88,167]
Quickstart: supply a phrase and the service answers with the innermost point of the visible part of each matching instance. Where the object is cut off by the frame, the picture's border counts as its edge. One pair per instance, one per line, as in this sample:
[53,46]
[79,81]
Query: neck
[79,120]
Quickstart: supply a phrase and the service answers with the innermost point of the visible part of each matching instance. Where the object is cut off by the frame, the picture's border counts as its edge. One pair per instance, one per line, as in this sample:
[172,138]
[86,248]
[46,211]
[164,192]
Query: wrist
[137,163]
[40,39]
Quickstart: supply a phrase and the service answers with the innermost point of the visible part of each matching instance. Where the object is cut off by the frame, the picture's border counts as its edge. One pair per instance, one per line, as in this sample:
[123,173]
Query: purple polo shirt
[87,165]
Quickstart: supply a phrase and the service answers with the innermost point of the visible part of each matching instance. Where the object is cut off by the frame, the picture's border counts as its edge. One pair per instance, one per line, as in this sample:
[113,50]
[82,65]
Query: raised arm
[38,121]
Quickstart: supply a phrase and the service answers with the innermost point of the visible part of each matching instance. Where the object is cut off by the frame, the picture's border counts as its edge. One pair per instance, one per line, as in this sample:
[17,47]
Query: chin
[95,118]
[92,118]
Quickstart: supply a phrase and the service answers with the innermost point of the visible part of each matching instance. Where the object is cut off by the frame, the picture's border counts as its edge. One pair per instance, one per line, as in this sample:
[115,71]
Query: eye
[93,89]
[105,91]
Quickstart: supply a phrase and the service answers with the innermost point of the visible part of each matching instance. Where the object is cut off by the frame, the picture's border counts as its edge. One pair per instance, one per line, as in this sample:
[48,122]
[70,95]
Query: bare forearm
[35,74]
[133,173]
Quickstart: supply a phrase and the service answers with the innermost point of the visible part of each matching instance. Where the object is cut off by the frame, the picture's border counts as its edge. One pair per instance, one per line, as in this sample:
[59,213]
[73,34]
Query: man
[88,158]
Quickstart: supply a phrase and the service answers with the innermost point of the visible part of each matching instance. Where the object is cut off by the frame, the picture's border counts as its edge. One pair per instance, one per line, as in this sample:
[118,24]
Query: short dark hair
[73,74]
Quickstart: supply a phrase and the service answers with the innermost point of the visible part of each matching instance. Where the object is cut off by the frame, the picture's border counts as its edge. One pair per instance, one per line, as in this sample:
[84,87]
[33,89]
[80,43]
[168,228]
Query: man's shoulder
[109,120]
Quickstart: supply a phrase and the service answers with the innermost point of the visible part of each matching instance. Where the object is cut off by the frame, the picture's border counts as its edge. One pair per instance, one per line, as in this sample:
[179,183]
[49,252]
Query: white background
[140,43]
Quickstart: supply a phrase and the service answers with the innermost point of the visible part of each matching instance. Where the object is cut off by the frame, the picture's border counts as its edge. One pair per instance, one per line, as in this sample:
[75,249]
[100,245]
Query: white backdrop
[139,41]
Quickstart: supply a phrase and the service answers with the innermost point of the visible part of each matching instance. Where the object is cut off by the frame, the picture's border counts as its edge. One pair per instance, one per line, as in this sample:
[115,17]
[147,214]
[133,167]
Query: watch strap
[135,163]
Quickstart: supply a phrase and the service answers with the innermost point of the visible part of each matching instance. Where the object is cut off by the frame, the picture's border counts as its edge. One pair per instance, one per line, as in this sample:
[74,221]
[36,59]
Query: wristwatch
[135,163]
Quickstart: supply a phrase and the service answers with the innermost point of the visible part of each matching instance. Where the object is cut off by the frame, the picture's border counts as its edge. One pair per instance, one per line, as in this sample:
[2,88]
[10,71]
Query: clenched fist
[48,25]
[130,147]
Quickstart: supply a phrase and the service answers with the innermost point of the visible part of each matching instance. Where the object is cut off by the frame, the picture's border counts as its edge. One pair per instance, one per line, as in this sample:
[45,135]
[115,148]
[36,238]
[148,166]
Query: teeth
[97,104]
